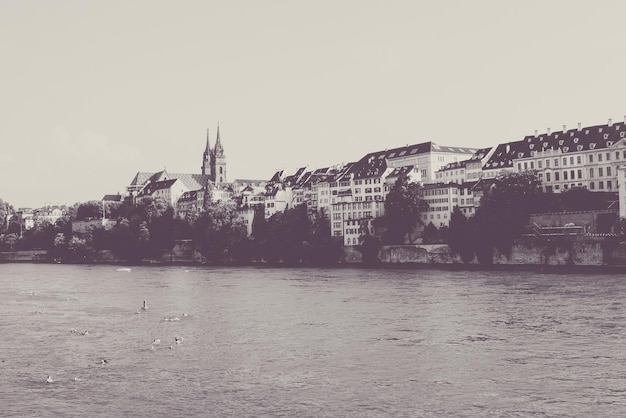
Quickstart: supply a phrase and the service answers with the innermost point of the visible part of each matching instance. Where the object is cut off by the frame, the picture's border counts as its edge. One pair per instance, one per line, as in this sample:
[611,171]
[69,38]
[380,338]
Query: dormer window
[621,134]
[586,131]
[520,155]
[565,149]
[531,146]
[599,129]
[592,146]
[561,142]
[545,145]
[609,143]
[575,140]
[605,136]
[579,148]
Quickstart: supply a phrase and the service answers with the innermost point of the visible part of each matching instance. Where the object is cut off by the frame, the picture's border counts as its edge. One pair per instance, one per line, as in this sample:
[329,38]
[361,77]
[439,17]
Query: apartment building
[586,157]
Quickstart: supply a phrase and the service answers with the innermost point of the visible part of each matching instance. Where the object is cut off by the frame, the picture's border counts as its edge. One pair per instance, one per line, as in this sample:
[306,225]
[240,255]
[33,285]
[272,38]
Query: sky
[91,92]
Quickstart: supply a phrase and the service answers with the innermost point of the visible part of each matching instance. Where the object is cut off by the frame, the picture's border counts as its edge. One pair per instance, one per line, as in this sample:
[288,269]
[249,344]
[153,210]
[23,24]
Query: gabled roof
[400,171]
[190,196]
[574,140]
[191,181]
[112,198]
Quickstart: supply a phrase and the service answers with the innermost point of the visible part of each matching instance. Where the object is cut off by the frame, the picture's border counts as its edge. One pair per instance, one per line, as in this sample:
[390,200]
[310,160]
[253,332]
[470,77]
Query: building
[214,160]
[587,157]
[358,191]
[441,199]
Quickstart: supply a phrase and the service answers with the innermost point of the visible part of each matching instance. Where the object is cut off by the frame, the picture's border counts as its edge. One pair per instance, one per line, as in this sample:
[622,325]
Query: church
[210,185]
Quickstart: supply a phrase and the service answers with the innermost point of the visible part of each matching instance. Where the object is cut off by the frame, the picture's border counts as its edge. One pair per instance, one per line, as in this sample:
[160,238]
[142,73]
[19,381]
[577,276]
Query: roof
[112,198]
[191,181]
[190,196]
[574,140]
[400,171]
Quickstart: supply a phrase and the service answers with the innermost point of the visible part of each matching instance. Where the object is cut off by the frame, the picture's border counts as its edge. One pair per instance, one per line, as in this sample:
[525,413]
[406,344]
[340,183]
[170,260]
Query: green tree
[403,208]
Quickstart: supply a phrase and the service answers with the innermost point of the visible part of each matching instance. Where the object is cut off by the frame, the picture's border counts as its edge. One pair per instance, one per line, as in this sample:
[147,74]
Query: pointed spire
[207,150]
[219,150]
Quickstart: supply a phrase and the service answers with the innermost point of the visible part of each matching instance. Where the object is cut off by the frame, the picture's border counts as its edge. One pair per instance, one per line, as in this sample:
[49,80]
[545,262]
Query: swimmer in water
[145,305]
[49,379]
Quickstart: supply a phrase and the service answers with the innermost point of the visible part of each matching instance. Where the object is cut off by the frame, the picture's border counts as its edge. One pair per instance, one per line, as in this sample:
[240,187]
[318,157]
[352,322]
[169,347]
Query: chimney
[579,126]
[564,128]
[548,131]
[610,122]
[536,132]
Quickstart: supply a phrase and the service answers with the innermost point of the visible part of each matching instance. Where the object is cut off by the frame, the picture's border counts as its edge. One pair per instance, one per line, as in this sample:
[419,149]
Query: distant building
[586,157]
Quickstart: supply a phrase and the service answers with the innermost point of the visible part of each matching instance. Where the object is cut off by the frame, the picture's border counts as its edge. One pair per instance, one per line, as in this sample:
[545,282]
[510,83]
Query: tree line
[147,228]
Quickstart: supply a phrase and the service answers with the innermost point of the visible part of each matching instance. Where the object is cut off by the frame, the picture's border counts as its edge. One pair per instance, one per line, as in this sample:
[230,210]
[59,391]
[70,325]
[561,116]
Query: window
[564,175]
[571,174]
[579,159]
[540,164]
[532,165]
[599,157]
[600,185]
[556,162]
[600,172]
[547,163]
[590,158]
[571,160]
[548,177]
[556,176]
[592,186]
[580,174]
[591,172]
[525,165]
[608,184]
[564,161]
[608,171]
[608,156]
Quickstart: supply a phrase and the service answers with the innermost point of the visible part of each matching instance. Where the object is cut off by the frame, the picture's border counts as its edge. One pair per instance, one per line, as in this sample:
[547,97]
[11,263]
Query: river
[309,342]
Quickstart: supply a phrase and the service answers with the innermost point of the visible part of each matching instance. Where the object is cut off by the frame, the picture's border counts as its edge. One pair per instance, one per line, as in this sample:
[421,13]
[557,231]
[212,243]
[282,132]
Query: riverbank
[594,254]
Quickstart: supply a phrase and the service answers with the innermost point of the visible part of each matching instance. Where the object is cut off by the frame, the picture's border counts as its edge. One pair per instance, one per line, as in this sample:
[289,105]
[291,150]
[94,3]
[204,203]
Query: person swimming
[145,305]
[49,379]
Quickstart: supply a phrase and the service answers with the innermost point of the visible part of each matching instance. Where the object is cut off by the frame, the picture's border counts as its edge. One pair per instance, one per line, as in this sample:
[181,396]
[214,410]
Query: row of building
[353,194]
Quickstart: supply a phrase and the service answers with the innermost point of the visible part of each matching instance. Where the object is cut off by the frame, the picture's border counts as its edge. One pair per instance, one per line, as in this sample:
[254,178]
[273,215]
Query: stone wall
[27,256]
[583,251]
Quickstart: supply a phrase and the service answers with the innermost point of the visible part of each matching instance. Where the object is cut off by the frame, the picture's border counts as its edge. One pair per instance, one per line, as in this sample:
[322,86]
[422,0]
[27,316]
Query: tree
[461,235]
[505,210]
[5,210]
[89,210]
[430,235]
[403,208]
[219,231]
[322,249]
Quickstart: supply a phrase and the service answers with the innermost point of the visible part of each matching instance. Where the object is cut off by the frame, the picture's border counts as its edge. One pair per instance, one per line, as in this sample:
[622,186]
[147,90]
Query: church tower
[218,161]
[206,157]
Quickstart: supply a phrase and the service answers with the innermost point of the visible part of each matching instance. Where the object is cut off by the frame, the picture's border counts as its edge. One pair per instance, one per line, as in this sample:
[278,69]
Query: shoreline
[538,268]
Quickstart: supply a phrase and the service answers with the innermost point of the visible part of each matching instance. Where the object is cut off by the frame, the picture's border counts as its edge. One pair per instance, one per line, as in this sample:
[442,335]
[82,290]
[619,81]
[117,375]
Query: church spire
[207,150]
[206,156]
[218,150]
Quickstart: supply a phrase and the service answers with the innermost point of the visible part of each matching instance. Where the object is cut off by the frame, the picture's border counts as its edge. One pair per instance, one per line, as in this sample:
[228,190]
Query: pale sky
[94,91]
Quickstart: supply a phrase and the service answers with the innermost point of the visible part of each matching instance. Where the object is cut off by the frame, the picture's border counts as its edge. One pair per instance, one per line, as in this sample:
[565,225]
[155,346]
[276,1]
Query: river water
[309,342]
